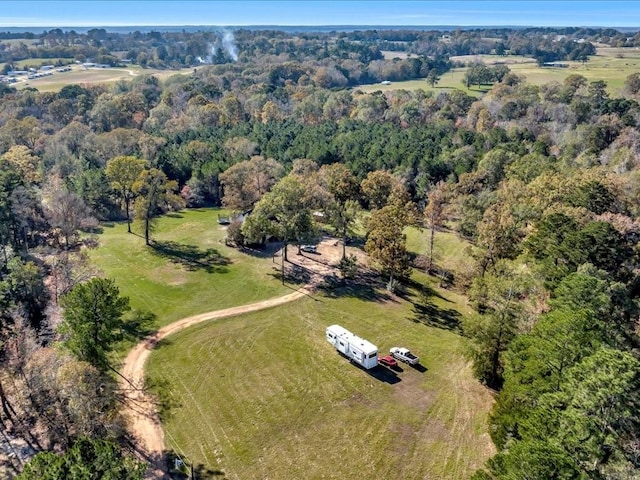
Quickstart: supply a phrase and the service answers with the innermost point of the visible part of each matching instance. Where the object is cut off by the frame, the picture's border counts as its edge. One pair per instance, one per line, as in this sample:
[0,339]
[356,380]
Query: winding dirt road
[140,409]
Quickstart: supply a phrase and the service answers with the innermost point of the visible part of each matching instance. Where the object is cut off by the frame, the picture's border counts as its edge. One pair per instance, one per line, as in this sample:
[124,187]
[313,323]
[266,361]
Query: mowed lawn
[266,396]
[190,271]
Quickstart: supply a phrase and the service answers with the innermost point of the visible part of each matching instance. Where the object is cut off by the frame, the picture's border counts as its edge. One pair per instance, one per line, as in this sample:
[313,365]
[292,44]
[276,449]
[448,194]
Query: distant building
[555,64]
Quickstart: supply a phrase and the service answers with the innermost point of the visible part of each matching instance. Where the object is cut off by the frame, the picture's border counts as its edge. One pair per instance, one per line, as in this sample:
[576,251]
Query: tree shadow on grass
[293,274]
[428,313]
[138,324]
[270,249]
[192,257]
[367,285]
[164,400]
[180,469]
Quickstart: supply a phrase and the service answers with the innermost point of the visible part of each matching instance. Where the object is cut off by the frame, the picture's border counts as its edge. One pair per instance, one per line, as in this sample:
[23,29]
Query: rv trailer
[356,349]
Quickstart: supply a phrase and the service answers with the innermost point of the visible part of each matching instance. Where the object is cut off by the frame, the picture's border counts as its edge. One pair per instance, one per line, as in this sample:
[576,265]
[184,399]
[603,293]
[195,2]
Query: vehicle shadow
[419,367]
[379,372]
[384,374]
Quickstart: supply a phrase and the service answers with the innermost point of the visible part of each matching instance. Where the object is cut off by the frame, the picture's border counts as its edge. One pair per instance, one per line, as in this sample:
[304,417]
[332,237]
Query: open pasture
[81,75]
[266,396]
[188,270]
[390,55]
[492,59]
[451,80]
[613,65]
[38,62]
[18,41]
[263,395]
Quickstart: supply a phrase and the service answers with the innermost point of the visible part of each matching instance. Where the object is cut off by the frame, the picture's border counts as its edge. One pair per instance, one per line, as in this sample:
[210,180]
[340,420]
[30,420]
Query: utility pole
[282,264]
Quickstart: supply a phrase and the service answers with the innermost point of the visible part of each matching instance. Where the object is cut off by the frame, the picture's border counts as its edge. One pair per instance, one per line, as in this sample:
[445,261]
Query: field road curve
[140,410]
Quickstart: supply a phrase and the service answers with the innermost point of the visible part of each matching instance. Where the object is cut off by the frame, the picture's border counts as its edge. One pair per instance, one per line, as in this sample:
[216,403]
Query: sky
[88,13]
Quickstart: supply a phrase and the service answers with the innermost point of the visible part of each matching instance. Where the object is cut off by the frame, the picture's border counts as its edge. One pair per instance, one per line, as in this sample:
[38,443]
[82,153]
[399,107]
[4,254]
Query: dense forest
[542,180]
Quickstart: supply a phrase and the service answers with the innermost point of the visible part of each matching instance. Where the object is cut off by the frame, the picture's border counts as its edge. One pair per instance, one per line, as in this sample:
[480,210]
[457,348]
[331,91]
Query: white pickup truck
[404,355]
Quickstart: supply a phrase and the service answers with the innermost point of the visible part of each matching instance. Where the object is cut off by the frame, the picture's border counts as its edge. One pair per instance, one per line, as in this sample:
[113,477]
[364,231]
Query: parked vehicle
[404,355]
[353,347]
[309,248]
[387,360]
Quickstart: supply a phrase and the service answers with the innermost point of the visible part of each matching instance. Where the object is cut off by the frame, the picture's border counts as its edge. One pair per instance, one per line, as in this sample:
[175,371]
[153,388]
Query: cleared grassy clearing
[37,62]
[190,271]
[18,41]
[265,396]
[492,59]
[449,250]
[390,55]
[451,80]
[613,65]
[93,75]
[603,66]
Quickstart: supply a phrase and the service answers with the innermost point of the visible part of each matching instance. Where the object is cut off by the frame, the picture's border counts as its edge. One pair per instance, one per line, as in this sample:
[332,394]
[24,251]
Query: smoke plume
[228,43]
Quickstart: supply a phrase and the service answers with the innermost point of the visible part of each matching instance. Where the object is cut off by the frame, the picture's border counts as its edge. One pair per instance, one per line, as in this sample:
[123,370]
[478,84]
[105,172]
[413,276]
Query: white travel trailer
[353,347]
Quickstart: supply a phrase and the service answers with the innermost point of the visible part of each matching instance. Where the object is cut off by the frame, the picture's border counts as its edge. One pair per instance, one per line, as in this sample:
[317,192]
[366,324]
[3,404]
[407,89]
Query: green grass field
[37,62]
[450,252]
[265,396]
[193,271]
[93,75]
[18,41]
[449,81]
[612,65]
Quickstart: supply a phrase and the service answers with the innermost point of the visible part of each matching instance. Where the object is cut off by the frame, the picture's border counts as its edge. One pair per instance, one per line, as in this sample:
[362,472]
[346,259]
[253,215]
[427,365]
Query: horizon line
[192,25]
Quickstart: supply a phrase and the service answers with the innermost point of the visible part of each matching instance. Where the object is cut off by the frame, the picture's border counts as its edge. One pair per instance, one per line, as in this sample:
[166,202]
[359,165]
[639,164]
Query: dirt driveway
[140,409]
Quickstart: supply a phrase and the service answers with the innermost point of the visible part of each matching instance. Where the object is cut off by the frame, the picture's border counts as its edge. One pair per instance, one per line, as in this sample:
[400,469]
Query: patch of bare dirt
[410,392]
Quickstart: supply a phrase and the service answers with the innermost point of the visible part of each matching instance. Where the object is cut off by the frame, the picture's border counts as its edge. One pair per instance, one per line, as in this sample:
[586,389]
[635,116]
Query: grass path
[140,409]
